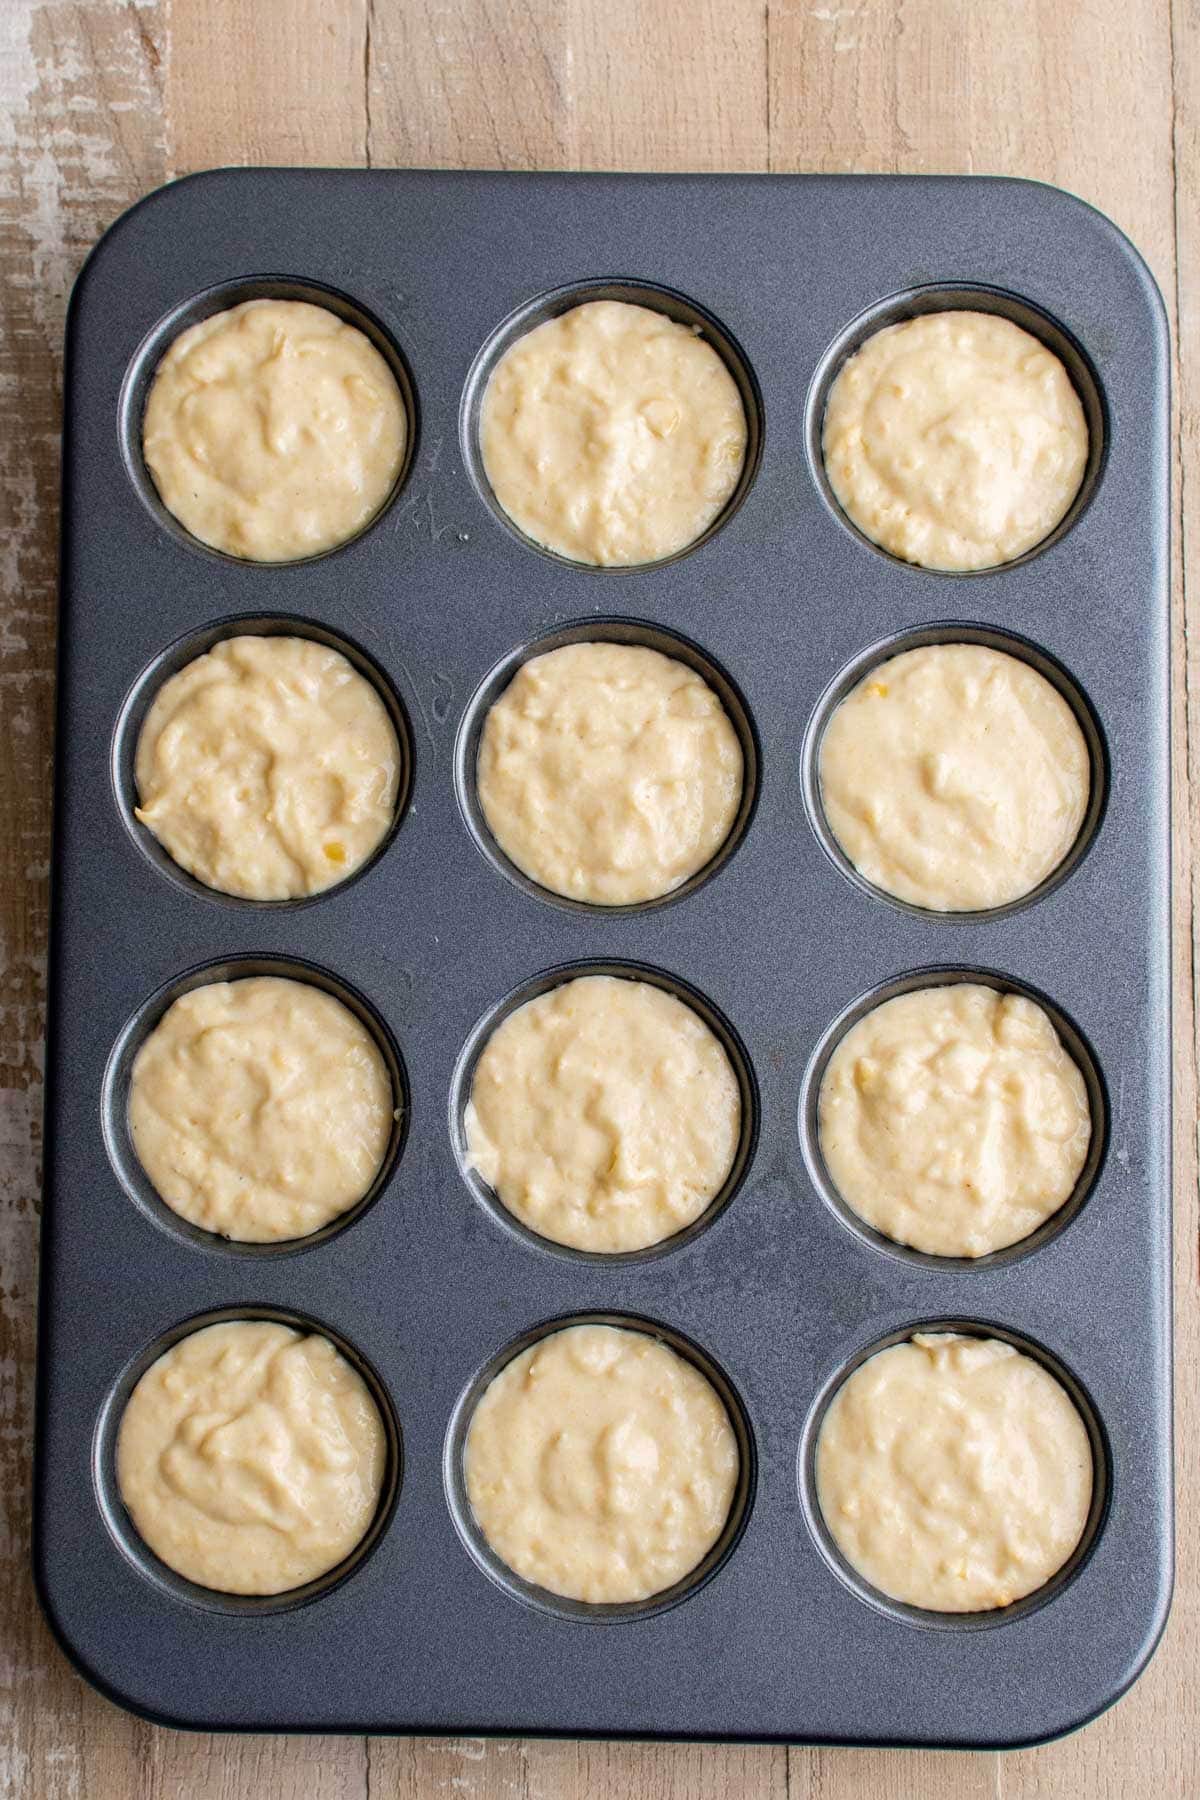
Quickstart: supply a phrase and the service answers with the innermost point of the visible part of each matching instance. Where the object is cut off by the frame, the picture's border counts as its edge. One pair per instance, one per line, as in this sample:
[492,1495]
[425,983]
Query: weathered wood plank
[482,86]
[266,81]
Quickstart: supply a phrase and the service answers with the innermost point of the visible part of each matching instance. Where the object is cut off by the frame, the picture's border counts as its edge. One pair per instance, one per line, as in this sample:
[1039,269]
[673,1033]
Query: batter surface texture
[601,1465]
[268,768]
[609,773]
[274,431]
[260,1109]
[251,1458]
[952,1119]
[604,1114]
[612,434]
[955,440]
[954,1473]
[955,777]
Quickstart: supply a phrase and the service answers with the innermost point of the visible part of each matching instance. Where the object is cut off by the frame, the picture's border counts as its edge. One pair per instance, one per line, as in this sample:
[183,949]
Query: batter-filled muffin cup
[612,434]
[604,1114]
[251,1458]
[954,1473]
[954,777]
[268,768]
[609,773]
[601,1465]
[260,1109]
[955,440]
[952,1119]
[274,430]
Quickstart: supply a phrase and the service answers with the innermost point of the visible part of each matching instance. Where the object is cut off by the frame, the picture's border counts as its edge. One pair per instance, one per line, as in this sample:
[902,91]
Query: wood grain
[481,85]
[98,101]
[265,81]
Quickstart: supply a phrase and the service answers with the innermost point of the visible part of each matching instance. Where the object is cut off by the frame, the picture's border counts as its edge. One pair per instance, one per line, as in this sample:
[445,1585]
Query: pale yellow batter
[612,434]
[274,430]
[955,777]
[260,1109]
[955,440]
[251,1458]
[953,1119]
[601,1465]
[954,1473]
[604,1114]
[609,773]
[268,768]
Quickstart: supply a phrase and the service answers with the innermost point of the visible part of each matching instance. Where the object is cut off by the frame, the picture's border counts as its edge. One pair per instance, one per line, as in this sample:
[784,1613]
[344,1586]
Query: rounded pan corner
[1095,219]
[109,1689]
[115,233]
[1053,1733]
[1146,1650]
[1136,1668]
[96,1678]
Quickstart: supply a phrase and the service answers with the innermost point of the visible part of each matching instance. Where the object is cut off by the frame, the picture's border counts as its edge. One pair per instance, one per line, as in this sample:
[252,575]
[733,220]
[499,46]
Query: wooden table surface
[101,100]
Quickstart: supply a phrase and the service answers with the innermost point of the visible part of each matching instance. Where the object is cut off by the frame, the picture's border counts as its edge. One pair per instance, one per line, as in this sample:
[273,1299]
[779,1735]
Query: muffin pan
[427,1285]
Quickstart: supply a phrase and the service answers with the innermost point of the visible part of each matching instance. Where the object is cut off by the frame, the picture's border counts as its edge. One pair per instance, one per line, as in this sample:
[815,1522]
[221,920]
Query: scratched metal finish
[426,1284]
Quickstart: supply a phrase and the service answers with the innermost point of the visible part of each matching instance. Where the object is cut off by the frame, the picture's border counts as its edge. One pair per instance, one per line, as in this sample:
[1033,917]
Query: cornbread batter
[612,434]
[268,768]
[251,1458]
[955,440]
[955,777]
[954,1473]
[953,1119]
[260,1109]
[274,430]
[609,773]
[604,1114]
[601,1465]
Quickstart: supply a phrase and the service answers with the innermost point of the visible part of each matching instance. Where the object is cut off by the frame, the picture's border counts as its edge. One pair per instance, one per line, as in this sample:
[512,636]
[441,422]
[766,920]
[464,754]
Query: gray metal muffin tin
[429,1284]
